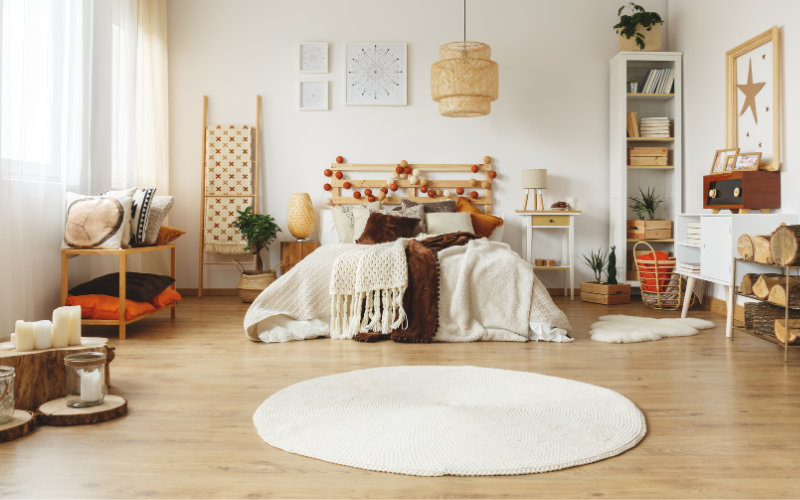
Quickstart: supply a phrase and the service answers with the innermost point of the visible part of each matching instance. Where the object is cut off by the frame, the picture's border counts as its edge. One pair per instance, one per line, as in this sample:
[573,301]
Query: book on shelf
[690,267]
[693,225]
[658,81]
[633,124]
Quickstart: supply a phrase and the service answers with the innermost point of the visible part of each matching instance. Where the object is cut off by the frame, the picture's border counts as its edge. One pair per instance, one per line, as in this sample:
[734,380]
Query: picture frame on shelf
[729,163]
[747,161]
[721,160]
[314,57]
[313,95]
[363,61]
[753,98]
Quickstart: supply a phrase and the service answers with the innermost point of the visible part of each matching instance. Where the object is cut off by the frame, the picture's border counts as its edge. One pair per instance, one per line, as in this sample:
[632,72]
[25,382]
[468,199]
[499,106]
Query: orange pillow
[107,307]
[483,225]
[165,298]
[168,234]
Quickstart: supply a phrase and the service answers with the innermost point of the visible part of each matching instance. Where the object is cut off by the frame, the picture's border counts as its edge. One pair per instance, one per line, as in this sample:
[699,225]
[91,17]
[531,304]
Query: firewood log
[777,293]
[759,317]
[762,253]
[745,247]
[779,327]
[784,244]
[748,280]
[764,284]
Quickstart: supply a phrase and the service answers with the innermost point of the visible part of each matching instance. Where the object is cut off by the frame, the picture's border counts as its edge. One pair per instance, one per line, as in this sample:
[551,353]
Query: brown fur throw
[382,228]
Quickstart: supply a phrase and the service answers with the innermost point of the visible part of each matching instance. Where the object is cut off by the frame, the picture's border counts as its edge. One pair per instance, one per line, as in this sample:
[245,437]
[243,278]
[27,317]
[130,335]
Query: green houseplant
[611,268]
[608,292]
[259,230]
[597,262]
[647,204]
[641,26]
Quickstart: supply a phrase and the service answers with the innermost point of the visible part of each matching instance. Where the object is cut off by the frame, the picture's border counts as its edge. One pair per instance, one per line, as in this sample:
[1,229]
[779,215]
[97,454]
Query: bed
[451,286]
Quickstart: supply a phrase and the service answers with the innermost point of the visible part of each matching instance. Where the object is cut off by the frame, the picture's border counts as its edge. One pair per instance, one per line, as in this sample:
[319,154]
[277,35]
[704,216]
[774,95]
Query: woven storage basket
[652,40]
[252,283]
[662,288]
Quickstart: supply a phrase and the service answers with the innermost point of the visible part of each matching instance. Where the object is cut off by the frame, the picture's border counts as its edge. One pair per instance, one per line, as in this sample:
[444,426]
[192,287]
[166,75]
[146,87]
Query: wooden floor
[723,419]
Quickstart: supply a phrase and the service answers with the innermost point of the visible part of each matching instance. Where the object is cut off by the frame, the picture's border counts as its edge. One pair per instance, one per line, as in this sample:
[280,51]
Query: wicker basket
[652,40]
[662,288]
[252,283]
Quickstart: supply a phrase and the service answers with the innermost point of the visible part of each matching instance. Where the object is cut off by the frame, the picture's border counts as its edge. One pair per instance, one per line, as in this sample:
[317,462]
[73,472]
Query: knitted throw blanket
[367,287]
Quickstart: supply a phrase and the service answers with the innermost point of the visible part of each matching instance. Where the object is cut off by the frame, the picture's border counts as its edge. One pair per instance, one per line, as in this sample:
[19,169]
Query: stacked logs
[765,319]
[772,287]
[780,248]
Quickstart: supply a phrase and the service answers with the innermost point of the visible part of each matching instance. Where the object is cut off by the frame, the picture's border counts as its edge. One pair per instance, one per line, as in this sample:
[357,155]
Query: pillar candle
[75,325]
[43,330]
[61,327]
[91,386]
[24,336]
[14,339]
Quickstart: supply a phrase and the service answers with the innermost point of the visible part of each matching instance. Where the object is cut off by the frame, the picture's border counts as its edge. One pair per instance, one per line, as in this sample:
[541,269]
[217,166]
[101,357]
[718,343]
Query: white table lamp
[536,179]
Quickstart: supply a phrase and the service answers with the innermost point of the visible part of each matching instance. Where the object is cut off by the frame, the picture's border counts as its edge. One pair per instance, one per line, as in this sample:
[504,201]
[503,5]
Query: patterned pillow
[361,216]
[344,219]
[97,221]
[159,209]
[446,206]
[140,212]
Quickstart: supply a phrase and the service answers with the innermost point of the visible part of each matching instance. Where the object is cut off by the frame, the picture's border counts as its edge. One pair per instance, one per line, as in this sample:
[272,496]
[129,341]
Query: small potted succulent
[652,228]
[259,230]
[607,292]
[639,30]
[633,86]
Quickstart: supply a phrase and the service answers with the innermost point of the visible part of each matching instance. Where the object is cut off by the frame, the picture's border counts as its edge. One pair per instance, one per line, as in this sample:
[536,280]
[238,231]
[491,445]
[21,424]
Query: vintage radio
[742,191]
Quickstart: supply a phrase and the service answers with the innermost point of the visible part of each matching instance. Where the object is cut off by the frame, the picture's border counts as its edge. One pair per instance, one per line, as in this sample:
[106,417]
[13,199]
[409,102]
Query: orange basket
[662,288]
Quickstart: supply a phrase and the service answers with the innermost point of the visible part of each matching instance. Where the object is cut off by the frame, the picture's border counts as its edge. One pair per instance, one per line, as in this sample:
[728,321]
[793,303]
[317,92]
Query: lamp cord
[465,21]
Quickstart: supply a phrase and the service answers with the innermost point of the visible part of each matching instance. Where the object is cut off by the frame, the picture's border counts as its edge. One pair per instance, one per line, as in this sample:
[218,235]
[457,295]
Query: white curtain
[67,122]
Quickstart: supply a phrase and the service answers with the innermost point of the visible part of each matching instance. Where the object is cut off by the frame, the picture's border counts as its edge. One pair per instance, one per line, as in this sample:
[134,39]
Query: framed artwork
[753,99]
[314,57]
[377,74]
[729,163]
[721,158]
[313,96]
[747,161]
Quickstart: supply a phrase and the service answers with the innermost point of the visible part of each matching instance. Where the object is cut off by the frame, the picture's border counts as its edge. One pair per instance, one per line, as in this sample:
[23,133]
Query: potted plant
[651,229]
[259,230]
[633,86]
[641,30]
[604,292]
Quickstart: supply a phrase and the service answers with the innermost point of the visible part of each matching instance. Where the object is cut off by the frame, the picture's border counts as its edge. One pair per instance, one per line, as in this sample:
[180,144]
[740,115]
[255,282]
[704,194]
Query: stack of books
[658,81]
[690,267]
[633,125]
[693,233]
[657,126]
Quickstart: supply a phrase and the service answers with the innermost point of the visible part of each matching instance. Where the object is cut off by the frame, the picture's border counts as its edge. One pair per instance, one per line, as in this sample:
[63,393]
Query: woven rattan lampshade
[534,178]
[464,81]
[300,216]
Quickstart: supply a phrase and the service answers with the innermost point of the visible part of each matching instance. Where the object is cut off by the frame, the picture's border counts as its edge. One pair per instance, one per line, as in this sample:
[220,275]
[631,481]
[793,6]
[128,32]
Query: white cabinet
[716,252]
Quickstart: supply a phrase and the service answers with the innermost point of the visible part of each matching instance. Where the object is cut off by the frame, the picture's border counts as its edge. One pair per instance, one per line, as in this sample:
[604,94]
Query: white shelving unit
[624,181]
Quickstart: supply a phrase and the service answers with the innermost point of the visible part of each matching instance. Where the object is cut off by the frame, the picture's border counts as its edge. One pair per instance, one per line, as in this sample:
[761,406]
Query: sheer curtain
[67,122]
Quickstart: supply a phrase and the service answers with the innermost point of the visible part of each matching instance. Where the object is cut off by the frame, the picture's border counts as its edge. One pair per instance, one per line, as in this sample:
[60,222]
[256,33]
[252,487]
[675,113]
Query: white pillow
[345,222]
[455,222]
[115,238]
[126,228]
[327,228]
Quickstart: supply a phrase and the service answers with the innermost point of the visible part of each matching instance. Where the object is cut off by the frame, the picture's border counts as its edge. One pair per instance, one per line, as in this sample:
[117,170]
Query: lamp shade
[464,81]
[534,178]
[300,215]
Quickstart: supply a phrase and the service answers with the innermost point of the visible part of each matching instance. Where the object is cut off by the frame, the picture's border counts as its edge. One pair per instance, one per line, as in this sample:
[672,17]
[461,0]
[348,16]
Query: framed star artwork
[752,98]
[377,74]
[313,57]
[314,96]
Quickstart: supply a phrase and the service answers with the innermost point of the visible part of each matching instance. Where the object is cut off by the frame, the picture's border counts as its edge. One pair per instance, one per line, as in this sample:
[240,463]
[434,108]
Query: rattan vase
[300,216]
[652,40]
[252,283]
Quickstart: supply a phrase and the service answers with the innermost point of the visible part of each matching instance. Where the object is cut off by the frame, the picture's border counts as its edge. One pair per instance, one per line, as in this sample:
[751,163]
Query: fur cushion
[621,329]
[383,228]
[446,206]
[362,215]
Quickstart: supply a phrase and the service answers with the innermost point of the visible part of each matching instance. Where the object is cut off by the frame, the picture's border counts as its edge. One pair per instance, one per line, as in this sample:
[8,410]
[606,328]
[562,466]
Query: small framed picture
[747,161]
[721,158]
[729,163]
[314,57]
[314,96]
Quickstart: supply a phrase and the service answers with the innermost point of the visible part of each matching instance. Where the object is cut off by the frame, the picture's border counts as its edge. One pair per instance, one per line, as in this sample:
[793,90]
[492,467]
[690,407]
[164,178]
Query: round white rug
[441,420]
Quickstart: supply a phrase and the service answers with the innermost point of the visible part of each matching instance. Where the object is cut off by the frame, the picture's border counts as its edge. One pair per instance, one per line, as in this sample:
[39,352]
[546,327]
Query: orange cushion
[165,298]
[483,224]
[107,307]
[167,235]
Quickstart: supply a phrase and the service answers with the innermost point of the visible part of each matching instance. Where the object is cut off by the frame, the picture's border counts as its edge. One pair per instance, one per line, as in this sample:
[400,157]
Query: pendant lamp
[465,80]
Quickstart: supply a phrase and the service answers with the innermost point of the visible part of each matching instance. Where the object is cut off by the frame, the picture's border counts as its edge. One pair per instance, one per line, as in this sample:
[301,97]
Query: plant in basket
[652,228]
[604,292]
[639,26]
[259,230]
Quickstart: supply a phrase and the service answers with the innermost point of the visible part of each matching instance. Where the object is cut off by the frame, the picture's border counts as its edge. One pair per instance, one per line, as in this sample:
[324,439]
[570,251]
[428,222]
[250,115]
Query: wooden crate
[601,293]
[292,252]
[632,275]
[648,152]
[647,160]
[649,229]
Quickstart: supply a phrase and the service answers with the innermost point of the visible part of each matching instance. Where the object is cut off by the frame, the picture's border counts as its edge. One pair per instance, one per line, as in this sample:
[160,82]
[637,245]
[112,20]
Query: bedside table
[292,252]
[553,219]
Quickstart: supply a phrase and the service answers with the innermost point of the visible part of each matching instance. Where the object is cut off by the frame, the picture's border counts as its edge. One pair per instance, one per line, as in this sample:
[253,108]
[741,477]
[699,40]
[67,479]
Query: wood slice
[23,423]
[41,374]
[777,293]
[748,280]
[57,412]
[764,284]
[762,251]
[779,327]
[784,244]
[91,221]
[761,317]
[745,247]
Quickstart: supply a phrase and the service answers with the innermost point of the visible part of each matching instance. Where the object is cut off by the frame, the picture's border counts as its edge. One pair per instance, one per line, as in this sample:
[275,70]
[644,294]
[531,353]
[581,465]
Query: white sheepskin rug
[621,329]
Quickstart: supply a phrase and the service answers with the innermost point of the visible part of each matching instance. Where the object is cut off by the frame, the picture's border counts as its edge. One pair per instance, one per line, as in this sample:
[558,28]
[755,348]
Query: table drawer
[550,220]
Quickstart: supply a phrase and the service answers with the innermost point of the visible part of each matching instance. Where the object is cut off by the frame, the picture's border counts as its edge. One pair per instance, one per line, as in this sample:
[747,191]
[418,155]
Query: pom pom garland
[326,187]
[492,174]
[339,159]
[403,163]
[399,169]
[384,190]
[423,189]
[416,172]
[423,181]
[460,191]
[381,195]
[408,170]
[486,184]
[370,199]
[475,169]
[473,183]
[404,176]
[412,180]
[328,172]
[368,192]
[447,193]
[487,160]
[339,174]
[474,195]
[394,175]
[327,200]
[438,192]
[432,193]
[389,181]
[393,187]
[347,185]
[357,195]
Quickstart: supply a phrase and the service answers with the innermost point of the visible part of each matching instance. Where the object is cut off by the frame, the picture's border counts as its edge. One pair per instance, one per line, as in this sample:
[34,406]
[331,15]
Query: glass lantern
[86,379]
[7,379]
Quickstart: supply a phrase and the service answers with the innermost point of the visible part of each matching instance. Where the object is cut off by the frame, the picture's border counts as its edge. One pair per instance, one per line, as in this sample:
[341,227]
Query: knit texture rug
[442,420]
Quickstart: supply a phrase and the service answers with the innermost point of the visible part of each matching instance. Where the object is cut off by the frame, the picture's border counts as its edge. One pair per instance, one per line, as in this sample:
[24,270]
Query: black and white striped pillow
[140,214]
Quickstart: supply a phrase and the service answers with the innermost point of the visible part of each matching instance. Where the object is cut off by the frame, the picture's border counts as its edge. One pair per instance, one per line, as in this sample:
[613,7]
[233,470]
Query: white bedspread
[504,300]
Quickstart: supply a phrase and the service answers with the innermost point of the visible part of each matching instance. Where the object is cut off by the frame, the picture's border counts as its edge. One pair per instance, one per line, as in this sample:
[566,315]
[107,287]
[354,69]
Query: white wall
[552,112]
[704,45]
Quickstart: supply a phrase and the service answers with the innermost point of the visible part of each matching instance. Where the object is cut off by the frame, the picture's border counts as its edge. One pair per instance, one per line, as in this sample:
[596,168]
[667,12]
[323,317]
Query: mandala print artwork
[314,58]
[314,95]
[376,74]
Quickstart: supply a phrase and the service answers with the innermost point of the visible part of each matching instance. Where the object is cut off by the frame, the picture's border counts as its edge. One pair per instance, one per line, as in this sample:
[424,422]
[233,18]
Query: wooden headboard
[355,173]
